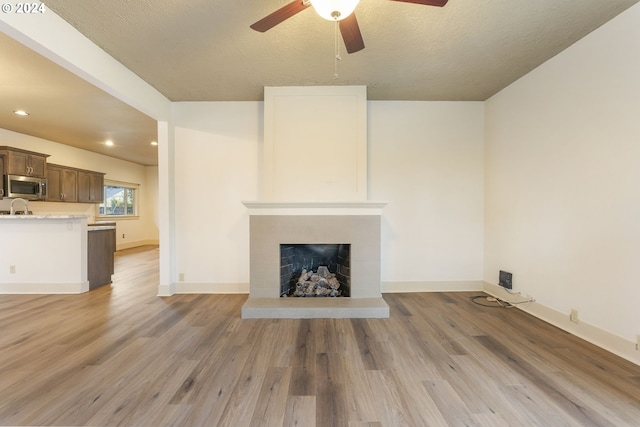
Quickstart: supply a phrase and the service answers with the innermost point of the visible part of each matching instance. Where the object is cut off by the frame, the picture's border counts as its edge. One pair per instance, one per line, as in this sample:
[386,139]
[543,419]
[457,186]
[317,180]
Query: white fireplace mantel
[366,207]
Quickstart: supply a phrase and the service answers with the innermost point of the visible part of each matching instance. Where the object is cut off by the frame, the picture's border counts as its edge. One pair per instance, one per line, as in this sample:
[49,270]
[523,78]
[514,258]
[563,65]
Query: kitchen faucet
[24,202]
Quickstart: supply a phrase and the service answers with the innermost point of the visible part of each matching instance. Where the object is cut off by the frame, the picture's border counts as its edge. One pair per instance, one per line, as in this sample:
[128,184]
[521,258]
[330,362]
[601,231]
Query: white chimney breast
[315,143]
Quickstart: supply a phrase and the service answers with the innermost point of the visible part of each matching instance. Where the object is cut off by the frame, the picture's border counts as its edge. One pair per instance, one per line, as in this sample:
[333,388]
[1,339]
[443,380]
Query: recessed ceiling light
[21,113]
[109,143]
[154,143]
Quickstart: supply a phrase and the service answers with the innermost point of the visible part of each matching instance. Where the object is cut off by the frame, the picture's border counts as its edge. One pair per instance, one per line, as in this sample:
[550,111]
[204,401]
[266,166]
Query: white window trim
[113,183]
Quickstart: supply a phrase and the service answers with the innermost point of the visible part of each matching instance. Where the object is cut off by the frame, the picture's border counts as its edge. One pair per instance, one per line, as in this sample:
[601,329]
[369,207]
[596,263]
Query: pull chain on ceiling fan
[340,11]
[336,11]
[337,52]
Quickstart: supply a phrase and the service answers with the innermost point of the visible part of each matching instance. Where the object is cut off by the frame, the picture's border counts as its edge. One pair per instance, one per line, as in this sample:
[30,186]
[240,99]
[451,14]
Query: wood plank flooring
[120,355]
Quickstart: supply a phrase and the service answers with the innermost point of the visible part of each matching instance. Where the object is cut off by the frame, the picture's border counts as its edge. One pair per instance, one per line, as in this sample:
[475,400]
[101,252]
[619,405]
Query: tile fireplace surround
[354,223]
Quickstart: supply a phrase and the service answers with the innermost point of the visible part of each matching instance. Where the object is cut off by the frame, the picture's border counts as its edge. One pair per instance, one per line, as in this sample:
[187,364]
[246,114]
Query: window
[120,200]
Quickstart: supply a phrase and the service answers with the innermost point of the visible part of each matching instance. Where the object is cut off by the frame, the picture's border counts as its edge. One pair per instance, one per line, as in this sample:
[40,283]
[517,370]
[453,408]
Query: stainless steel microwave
[25,187]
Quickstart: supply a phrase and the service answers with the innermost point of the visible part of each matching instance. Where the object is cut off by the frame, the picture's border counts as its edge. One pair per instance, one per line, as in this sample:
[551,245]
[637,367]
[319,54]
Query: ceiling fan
[332,10]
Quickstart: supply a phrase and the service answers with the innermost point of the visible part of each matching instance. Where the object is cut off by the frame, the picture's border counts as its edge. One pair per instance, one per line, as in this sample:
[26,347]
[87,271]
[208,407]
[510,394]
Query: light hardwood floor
[120,355]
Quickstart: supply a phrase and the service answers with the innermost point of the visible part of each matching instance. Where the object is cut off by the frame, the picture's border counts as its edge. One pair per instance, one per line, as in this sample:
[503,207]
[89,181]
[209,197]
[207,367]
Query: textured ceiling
[204,50]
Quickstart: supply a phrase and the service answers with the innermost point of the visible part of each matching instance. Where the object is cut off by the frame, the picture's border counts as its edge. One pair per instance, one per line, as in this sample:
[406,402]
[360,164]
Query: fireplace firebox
[315,270]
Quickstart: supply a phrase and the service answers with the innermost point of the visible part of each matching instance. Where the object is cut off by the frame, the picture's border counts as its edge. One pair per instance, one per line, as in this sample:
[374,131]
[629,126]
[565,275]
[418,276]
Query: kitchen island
[43,254]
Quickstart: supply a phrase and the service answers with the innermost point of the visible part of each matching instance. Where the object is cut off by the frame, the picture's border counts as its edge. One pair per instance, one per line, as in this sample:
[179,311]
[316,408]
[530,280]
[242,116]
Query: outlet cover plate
[574,316]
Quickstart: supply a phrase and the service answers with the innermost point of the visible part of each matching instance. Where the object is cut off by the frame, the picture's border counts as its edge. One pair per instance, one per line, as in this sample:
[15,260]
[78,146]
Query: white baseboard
[603,339]
[129,245]
[448,286]
[166,290]
[44,288]
[211,288]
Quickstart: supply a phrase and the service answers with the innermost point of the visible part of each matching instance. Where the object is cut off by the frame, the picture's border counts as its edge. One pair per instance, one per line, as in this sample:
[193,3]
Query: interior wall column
[166,208]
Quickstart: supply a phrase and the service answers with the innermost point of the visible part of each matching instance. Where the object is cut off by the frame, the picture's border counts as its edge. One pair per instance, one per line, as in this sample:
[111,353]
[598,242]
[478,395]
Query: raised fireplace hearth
[353,232]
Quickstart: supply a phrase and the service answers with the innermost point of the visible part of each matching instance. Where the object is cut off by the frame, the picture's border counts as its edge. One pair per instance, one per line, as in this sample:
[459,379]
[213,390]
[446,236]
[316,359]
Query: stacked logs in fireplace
[318,284]
[315,270]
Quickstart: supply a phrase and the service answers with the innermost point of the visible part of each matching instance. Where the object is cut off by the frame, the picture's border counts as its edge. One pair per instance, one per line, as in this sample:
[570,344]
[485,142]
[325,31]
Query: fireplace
[277,230]
[324,126]
[315,270]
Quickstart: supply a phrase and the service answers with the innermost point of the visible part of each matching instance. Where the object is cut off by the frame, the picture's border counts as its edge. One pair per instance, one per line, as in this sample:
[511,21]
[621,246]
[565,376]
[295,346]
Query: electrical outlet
[123,235]
[181,277]
[574,316]
[638,342]
[12,269]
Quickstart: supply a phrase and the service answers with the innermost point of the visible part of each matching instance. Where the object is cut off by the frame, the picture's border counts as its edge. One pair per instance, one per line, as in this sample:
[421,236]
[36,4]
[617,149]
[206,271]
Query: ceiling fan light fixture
[334,10]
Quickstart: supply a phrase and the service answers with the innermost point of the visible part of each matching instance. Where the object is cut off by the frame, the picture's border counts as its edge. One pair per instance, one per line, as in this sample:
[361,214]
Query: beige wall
[562,180]
[425,159]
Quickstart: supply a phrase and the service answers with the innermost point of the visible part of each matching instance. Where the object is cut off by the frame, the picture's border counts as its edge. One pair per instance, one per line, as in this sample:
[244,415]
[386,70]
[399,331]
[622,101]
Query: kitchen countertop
[98,225]
[101,227]
[33,217]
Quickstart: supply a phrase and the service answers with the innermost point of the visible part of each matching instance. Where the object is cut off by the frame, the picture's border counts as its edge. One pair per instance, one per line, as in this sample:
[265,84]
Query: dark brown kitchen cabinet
[62,184]
[1,176]
[23,162]
[90,187]
[101,246]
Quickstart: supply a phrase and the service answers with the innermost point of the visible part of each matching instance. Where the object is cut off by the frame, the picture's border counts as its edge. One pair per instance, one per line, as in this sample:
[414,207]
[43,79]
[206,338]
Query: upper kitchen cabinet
[90,187]
[67,184]
[63,184]
[23,162]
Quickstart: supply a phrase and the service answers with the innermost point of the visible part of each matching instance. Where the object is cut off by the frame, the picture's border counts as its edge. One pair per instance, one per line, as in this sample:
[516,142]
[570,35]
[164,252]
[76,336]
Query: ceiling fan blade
[351,34]
[438,3]
[280,15]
